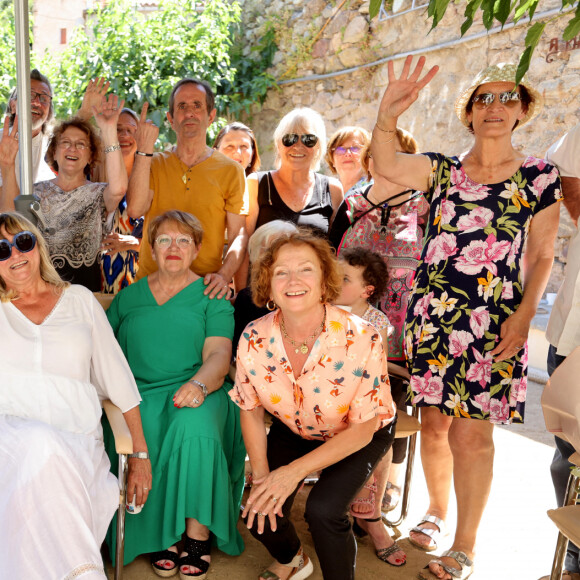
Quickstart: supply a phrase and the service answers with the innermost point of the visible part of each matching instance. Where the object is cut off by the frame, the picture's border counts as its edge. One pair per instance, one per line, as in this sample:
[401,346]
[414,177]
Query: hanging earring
[271,305]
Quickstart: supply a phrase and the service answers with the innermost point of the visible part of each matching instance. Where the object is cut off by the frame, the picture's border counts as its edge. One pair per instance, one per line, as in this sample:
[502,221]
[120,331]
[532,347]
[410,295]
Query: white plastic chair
[561,406]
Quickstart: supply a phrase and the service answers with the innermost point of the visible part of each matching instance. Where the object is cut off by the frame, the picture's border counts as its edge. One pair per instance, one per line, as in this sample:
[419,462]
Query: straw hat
[503,72]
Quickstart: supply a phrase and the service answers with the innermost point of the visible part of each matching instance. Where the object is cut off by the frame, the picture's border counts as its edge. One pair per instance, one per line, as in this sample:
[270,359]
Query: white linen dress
[57,495]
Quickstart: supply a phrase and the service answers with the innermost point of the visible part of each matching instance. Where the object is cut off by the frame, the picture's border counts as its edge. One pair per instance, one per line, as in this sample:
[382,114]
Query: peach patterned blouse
[344,379]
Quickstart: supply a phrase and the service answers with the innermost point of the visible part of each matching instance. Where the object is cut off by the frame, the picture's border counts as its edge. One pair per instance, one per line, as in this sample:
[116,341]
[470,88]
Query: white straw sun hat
[502,72]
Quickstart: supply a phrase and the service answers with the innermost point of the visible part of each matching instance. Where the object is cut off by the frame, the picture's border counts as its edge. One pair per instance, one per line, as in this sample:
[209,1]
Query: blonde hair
[408,145]
[261,280]
[301,119]
[14,223]
[265,234]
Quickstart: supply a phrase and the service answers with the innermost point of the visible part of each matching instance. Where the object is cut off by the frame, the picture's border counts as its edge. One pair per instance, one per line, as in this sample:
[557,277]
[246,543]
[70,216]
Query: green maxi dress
[197,455]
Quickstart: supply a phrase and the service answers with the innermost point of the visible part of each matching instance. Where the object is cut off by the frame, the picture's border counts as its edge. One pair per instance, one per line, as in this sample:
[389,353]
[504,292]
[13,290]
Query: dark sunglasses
[23,241]
[483,100]
[307,139]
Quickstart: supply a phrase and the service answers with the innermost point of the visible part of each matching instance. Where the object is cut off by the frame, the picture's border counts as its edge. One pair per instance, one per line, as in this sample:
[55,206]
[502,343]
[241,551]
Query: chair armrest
[399,371]
[123,440]
[406,425]
[104,299]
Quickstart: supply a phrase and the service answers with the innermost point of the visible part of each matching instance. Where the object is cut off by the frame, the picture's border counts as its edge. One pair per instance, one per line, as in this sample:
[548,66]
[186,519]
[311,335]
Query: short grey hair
[265,234]
[303,120]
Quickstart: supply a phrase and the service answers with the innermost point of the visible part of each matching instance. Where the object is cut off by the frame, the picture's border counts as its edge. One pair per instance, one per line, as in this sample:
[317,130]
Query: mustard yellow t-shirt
[207,190]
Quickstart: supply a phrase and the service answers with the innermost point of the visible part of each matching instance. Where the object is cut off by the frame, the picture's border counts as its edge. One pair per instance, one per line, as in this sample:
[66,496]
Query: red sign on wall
[558,45]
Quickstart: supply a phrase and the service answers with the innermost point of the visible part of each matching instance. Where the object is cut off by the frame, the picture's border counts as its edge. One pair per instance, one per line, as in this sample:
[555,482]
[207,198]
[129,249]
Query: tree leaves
[374,8]
[500,11]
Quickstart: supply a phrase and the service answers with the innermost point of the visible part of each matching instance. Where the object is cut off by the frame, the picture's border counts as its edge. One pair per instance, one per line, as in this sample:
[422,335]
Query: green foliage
[144,57]
[7,53]
[496,12]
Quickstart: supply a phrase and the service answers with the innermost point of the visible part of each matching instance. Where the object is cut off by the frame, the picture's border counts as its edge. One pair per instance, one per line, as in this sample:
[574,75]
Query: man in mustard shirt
[195,178]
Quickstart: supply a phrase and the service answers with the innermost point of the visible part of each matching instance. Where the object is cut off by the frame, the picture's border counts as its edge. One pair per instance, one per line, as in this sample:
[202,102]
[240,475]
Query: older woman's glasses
[78,145]
[509,98]
[23,241]
[344,150]
[182,241]
[307,139]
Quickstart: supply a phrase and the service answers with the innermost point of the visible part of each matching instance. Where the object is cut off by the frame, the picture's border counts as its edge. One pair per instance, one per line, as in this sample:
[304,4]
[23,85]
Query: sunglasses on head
[483,100]
[22,241]
[307,139]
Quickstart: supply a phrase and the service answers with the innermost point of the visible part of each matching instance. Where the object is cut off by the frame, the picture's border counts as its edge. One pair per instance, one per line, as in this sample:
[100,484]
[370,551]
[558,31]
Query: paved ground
[516,538]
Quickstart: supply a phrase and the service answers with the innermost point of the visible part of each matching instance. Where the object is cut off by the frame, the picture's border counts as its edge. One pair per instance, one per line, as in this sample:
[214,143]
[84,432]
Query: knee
[472,443]
[434,426]
[320,511]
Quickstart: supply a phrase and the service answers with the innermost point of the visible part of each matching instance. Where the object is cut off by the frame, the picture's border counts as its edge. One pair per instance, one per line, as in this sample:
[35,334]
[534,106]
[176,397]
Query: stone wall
[333,59]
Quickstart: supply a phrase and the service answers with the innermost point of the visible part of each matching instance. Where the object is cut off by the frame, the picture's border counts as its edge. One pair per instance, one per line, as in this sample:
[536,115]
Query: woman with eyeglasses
[344,155]
[294,191]
[75,212]
[178,344]
[58,359]
[475,292]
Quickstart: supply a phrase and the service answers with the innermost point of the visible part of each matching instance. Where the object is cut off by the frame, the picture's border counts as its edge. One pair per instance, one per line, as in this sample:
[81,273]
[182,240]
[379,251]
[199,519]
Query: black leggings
[327,504]
[399,394]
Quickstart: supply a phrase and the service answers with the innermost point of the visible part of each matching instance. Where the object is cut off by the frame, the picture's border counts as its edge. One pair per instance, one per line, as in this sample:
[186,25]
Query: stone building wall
[343,73]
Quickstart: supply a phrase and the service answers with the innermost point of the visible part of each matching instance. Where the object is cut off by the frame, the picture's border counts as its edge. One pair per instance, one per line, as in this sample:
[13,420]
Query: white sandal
[435,535]
[301,565]
[465,570]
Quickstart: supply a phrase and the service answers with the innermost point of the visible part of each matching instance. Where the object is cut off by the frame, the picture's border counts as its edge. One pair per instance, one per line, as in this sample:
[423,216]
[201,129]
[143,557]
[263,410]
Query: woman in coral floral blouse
[322,374]
[475,292]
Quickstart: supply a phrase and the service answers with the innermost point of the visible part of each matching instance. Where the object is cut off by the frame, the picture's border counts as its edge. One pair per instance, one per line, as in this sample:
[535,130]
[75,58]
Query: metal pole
[24,200]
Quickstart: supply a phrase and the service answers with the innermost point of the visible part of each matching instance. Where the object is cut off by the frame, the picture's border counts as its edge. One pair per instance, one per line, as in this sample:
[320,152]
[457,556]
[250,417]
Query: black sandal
[195,550]
[164,555]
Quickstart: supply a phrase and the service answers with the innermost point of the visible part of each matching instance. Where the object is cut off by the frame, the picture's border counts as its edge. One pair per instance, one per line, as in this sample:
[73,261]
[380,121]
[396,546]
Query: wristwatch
[140,455]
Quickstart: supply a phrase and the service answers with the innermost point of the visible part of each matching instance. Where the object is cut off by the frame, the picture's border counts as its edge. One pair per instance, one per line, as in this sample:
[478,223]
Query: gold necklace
[302,348]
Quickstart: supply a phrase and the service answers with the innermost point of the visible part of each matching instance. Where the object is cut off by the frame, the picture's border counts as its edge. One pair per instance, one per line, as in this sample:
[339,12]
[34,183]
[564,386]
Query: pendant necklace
[302,347]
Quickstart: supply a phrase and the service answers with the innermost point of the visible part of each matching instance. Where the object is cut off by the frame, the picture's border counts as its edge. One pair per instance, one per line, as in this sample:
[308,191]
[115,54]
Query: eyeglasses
[23,241]
[344,150]
[78,145]
[509,98]
[307,139]
[42,98]
[182,241]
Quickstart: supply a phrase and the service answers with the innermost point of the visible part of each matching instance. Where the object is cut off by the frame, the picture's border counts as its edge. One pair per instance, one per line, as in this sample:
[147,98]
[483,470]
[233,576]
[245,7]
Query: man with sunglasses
[195,178]
[42,112]
[563,327]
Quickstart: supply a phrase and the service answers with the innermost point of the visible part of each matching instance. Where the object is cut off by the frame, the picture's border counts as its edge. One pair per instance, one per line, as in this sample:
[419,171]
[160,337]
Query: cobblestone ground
[516,539]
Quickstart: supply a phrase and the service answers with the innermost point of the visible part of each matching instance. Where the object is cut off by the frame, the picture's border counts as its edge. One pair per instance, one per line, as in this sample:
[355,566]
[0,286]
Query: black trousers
[327,504]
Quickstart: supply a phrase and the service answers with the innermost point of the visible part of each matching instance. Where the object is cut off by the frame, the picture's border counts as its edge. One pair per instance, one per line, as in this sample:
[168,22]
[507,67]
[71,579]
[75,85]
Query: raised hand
[402,92]
[96,90]
[107,112]
[147,132]
[9,143]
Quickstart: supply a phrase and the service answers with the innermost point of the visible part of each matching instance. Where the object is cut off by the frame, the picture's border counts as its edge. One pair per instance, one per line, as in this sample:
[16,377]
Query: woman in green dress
[178,344]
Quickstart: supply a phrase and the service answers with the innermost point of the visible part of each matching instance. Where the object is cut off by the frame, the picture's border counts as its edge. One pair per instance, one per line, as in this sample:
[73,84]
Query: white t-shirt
[564,325]
[40,169]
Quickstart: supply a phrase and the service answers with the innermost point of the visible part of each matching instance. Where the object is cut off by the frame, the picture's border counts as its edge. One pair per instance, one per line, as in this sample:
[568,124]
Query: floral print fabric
[467,284]
[345,378]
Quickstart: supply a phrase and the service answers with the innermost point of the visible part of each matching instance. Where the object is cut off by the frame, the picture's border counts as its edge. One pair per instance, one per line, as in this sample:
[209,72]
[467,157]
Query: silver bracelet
[200,385]
[113,147]
[140,455]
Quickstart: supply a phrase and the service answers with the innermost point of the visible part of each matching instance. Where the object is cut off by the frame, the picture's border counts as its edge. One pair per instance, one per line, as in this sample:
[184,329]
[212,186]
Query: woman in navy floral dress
[469,315]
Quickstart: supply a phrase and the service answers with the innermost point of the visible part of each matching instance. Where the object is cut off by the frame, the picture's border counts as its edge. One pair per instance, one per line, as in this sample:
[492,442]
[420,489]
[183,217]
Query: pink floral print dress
[469,281]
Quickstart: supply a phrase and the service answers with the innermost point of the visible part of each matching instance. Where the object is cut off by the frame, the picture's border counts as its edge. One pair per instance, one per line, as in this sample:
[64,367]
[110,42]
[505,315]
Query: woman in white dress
[59,357]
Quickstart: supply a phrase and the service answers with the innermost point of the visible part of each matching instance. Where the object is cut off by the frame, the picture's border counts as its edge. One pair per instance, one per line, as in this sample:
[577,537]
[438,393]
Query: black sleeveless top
[315,215]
